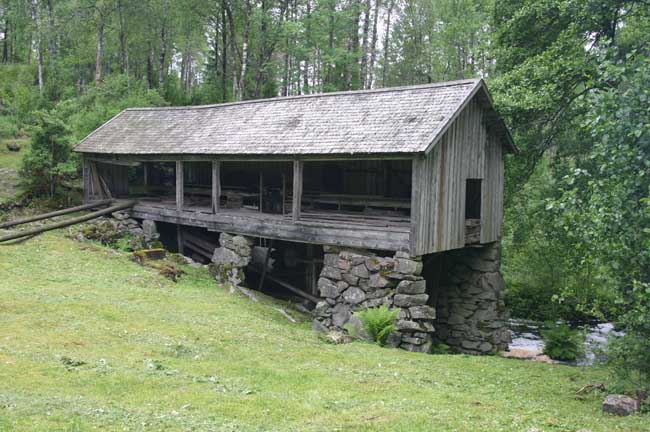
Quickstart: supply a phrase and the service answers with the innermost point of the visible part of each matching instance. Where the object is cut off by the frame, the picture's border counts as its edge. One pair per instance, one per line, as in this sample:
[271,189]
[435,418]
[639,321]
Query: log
[69,222]
[55,213]
[189,244]
[210,247]
[286,315]
[288,286]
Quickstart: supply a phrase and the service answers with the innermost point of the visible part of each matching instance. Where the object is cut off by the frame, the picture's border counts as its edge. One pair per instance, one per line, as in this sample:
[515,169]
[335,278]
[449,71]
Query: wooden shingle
[403,120]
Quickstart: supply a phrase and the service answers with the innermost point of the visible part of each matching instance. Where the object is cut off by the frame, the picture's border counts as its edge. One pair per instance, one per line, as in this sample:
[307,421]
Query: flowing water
[526,335]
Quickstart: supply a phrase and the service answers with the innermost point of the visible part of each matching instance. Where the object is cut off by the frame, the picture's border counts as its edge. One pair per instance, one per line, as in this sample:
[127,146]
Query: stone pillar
[231,258]
[471,313]
[352,280]
[150,230]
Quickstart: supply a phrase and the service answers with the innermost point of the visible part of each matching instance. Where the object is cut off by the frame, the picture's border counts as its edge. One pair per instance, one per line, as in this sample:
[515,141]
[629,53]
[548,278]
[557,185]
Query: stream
[526,336]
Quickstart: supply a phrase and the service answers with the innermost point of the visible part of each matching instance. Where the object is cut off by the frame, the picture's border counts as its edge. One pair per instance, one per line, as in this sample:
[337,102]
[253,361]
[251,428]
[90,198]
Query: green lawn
[90,340]
[9,165]
[11,160]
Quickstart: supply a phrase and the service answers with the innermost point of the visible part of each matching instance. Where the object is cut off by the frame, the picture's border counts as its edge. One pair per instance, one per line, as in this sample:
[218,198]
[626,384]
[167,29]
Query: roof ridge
[315,95]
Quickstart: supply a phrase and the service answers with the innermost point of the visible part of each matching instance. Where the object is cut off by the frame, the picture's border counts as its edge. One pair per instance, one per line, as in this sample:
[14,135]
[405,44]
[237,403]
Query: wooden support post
[216,185]
[179,186]
[297,189]
[92,180]
[145,175]
[86,179]
[265,267]
[179,239]
[261,189]
[284,194]
[310,274]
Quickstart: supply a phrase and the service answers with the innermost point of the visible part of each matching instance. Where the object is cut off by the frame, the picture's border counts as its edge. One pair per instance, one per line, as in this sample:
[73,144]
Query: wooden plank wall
[116,178]
[465,151]
[492,193]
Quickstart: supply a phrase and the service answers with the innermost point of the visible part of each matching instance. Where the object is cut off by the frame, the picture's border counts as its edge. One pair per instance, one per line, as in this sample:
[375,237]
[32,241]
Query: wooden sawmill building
[417,169]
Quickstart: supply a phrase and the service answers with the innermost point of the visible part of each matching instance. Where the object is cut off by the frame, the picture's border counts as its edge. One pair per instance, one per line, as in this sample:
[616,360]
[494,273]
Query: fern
[561,342]
[378,322]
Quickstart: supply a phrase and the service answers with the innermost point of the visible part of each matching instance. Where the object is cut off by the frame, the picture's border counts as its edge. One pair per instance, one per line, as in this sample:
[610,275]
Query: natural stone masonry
[353,280]
[231,258]
[471,312]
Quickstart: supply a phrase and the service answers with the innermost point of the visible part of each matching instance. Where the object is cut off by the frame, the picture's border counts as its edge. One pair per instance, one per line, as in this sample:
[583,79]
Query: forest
[571,78]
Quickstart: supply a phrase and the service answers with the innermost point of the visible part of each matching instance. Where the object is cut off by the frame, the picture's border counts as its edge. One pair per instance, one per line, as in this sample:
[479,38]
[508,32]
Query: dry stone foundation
[231,258]
[353,280]
[471,313]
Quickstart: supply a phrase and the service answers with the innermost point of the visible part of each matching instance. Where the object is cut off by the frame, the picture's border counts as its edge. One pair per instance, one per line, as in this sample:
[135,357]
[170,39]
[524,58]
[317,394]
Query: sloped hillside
[90,340]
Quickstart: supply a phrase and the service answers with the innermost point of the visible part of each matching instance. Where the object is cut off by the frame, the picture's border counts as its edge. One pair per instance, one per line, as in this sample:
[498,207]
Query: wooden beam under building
[297,189]
[179,186]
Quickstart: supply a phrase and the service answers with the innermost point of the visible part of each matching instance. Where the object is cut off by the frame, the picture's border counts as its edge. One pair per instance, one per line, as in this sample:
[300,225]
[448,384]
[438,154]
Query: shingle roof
[400,120]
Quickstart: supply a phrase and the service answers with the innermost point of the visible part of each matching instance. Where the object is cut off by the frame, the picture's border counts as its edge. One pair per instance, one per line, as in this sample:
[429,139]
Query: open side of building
[353,176]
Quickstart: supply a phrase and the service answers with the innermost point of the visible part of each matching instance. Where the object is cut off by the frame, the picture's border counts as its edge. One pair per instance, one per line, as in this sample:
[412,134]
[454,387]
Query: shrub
[378,322]
[49,160]
[8,128]
[561,342]
[629,355]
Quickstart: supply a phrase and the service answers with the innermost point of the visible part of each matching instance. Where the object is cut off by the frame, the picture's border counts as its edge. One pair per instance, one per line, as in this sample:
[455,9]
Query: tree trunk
[150,66]
[215,48]
[352,69]
[364,45]
[51,42]
[39,51]
[224,55]
[285,81]
[384,71]
[163,45]
[244,57]
[373,46]
[329,73]
[5,41]
[305,77]
[233,45]
[100,49]
[124,50]
[261,57]
[161,59]
[183,69]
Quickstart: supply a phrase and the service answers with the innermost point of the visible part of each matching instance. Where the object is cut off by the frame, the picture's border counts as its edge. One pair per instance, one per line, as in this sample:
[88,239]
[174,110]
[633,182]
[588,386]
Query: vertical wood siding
[492,194]
[116,178]
[466,151]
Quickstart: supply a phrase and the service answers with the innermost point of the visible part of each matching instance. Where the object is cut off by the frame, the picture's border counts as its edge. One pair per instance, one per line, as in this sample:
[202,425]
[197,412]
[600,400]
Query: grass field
[9,165]
[90,340]
[11,160]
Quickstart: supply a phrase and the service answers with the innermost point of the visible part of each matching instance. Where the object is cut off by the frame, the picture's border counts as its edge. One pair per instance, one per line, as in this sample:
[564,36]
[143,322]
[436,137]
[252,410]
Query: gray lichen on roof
[389,121]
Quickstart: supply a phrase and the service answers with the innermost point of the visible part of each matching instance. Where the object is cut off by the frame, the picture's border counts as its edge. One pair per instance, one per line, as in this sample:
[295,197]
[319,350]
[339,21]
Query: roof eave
[442,128]
[95,131]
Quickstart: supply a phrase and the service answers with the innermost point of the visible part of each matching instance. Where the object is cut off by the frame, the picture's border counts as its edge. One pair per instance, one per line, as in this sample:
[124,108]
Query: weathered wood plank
[216,185]
[86,178]
[180,192]
[467,150]
[297,189]
[280,228]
